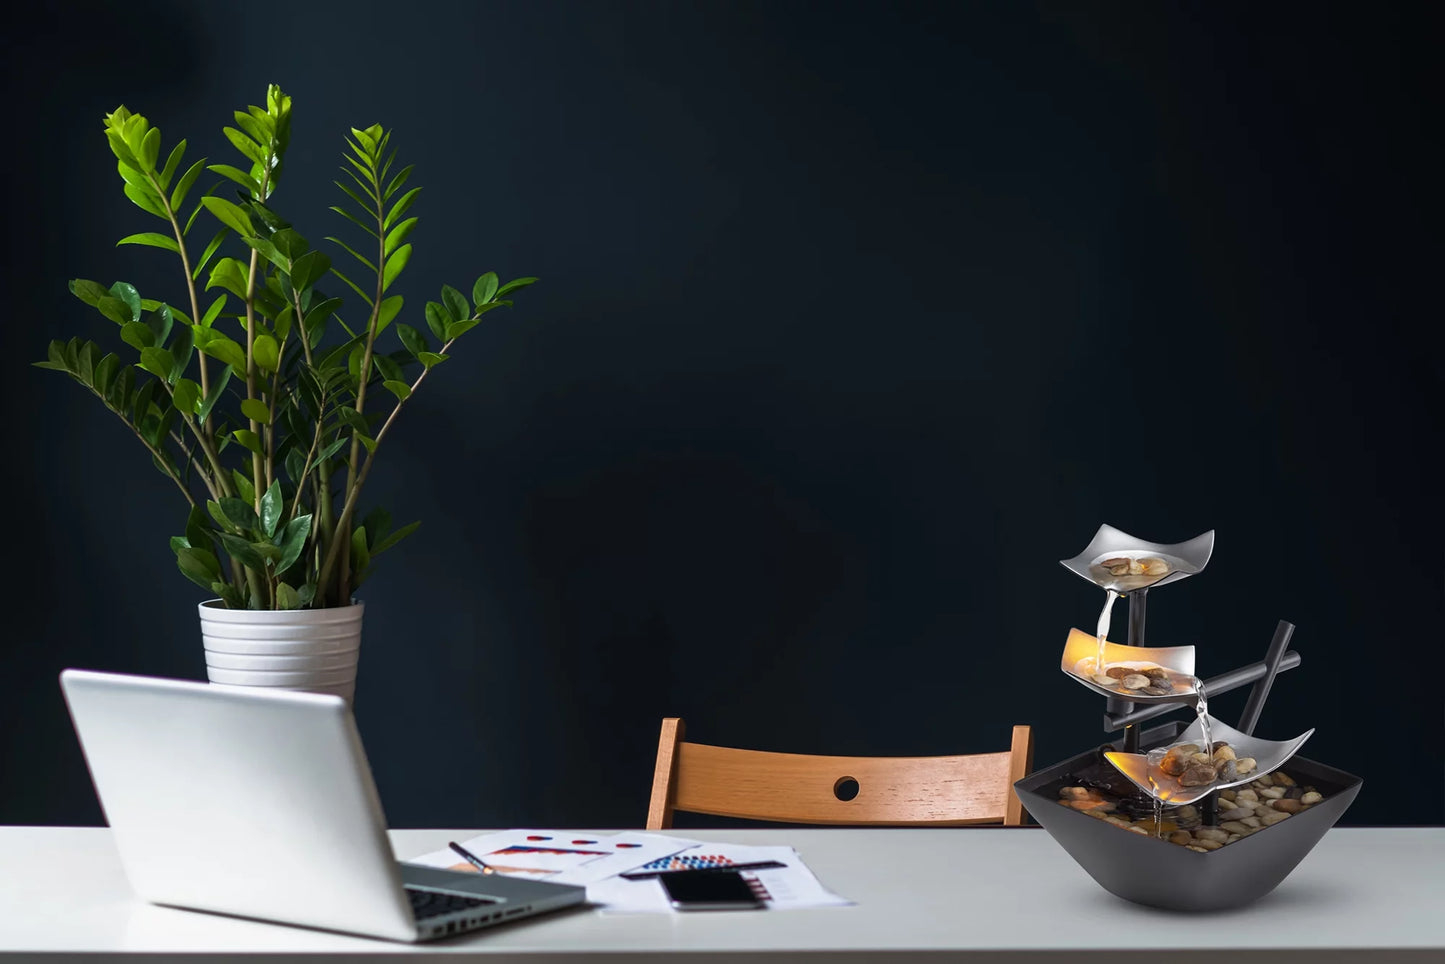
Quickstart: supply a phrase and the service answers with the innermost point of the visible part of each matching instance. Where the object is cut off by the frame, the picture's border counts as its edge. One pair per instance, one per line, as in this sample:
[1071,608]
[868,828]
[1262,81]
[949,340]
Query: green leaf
[198,565]
[146,200]
[244,488]
[309,268]
[89,292]
[137,334]
[349,250]
[400,389]
[224,349]
[150,149]
[414,340]
[395,265]
[266,352]
[286,596]
[457,329]
[293,540]
[256,410]
[127,294]
[183,186]
[398,234]
[400,208]
[485,289]
[230,215]
[249,440]
[353,218]
[360,555]
[273,503]
[456,304]
[218,386]
[172,162]
[160,322]
[213,312]
[239,176]
[239,513]
[437,319]
[388,367]
[353,286]
[181,349]
[229,274]
[186,395]
[392,539]
[157,361]
[431,359]
[152,239]
[387,312]
[397,182]
[244,552]
[104,374]
[210,250]
[253,151]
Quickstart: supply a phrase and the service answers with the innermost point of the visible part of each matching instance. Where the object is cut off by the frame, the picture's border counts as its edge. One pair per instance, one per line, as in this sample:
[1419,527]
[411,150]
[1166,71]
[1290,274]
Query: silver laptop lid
[250,802]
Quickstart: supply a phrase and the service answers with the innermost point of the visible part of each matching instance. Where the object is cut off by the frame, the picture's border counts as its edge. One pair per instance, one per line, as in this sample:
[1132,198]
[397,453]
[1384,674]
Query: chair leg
[664,775]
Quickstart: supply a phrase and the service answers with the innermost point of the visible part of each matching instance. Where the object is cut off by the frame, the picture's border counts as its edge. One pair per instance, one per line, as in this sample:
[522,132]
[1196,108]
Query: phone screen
[709,890]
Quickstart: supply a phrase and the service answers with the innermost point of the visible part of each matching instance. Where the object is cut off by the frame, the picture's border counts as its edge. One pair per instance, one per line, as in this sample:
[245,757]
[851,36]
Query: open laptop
[260,803]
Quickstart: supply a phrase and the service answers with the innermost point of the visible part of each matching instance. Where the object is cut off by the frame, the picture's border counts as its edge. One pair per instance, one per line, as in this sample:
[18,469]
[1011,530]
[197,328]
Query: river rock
[1134,682]
[1282,779]
[1211,833]
[1289,806]
[1246,796]
[1197,775]
[1208,844]
[1234,826]
[1311,797]
[1264,780]
[1271,793]
[1246,764]
[1274,817]
[1181,837]
[1225,752]
[1238,813]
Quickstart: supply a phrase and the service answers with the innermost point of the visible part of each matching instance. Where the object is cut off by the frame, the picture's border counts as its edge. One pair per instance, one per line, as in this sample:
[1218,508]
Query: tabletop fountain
[1195,815]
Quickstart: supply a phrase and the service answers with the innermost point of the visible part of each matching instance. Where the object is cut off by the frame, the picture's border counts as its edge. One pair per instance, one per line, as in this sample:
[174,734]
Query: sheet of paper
[563,856]
[790,886]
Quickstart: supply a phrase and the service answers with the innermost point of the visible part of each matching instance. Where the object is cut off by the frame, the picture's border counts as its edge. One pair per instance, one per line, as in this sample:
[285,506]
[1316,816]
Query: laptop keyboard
[431,903]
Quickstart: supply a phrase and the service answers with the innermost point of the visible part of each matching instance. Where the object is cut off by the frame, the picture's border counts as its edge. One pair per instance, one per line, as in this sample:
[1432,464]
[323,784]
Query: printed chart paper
[563,856]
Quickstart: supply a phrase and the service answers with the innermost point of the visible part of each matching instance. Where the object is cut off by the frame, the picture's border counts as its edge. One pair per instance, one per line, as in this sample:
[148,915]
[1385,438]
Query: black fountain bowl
[1156,873]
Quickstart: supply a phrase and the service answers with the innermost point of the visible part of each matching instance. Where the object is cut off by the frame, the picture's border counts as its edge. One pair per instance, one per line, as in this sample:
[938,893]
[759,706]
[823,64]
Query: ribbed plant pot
[315,650]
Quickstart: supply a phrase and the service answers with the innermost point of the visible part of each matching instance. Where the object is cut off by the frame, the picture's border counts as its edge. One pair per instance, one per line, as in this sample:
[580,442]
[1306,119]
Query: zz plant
[266,404]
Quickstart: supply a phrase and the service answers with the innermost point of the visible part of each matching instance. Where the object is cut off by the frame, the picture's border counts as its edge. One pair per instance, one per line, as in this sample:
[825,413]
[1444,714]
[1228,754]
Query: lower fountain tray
[1145,870]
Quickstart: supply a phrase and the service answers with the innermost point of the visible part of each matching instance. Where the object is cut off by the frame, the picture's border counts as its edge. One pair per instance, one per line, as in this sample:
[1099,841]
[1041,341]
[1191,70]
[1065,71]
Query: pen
[471,858]
[756,865]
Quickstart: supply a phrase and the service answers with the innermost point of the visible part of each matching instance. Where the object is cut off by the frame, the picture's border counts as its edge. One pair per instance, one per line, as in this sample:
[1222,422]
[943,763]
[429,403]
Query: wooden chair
[937,791]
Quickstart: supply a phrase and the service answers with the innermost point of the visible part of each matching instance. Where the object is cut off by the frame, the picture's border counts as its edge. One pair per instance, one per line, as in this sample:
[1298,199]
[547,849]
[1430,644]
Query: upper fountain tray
[1081,649]
[1121,562]
[1268,755]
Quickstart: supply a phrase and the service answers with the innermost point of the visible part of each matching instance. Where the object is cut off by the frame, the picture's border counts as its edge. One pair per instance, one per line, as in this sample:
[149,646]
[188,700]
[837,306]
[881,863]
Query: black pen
[471,858]
[756,865]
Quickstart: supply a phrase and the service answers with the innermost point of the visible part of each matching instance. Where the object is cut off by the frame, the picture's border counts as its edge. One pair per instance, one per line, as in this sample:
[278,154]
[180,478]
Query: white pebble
[1311,797]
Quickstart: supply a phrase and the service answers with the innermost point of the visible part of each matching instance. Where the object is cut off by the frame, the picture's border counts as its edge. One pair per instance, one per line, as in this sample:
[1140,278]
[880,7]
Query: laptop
[259,803]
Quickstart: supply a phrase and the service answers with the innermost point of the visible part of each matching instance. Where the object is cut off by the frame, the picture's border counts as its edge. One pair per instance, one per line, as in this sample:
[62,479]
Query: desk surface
[925,894]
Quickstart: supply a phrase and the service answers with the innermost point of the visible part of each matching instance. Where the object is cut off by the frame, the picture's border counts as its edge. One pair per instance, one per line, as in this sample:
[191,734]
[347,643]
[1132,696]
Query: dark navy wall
[854,319]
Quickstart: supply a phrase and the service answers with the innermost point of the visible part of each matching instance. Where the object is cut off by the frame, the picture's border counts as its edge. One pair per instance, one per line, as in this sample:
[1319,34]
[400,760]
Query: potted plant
[266,389]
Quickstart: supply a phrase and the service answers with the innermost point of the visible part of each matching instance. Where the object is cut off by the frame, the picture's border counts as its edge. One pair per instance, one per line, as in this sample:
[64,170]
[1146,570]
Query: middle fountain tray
[1081,650]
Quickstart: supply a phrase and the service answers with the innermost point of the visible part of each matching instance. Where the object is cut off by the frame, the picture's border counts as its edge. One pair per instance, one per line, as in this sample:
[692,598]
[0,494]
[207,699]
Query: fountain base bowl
[1145,870]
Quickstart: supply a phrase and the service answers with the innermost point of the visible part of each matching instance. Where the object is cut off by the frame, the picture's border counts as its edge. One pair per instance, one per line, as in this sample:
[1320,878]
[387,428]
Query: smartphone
[709,890]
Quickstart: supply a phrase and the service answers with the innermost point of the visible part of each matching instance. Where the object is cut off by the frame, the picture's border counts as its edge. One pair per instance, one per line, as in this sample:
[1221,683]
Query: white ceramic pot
[303,649]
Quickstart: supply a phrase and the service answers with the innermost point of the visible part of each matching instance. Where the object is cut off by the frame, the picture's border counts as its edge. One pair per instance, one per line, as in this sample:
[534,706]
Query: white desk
[934,895]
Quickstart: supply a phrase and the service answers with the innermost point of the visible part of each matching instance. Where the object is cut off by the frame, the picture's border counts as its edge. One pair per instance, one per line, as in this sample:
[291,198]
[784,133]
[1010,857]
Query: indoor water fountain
[1196,816]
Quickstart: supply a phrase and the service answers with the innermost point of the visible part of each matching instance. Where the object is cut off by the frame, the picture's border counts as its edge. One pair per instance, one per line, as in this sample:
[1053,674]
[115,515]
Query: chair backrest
[939,791]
